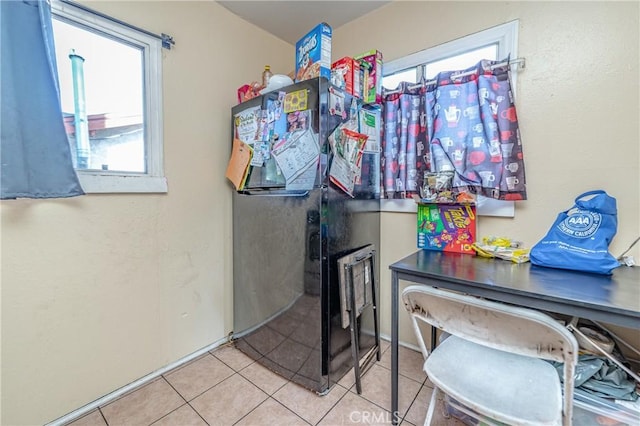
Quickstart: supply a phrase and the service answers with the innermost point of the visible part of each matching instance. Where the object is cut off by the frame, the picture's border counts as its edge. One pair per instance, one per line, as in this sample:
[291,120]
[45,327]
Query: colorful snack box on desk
[372,86]
[447,227]
[313,54]
[345,74]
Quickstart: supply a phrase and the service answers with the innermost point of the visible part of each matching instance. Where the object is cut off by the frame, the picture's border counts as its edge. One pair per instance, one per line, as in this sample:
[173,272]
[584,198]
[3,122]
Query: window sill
[485,207]
[95,183]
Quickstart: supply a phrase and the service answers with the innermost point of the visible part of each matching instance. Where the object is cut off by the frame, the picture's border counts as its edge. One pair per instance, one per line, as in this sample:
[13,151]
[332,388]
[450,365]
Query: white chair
[493,362]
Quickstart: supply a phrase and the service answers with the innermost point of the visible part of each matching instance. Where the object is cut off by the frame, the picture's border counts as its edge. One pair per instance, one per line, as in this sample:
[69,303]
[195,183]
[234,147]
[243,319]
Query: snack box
[345,73]
[313,54]
[447,227]
[372,87]
[365,68]
[370,120]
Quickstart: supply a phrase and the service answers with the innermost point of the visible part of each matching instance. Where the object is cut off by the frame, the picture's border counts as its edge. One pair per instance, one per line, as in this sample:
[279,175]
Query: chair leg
[432,406]
[353,325]
[353,319]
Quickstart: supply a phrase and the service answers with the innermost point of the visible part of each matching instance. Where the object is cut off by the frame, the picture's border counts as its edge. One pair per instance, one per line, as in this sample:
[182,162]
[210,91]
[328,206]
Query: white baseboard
[400,343]
[82,411]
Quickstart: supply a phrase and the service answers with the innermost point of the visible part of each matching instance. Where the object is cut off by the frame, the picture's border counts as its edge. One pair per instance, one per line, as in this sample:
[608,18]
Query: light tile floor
[225,387]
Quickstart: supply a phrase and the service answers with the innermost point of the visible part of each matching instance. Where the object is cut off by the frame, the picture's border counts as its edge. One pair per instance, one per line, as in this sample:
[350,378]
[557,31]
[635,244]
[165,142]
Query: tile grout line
[254,408]
[422,384]
[234,370]
[412,402]
[185,400]
[103,416]
[334,405]
[269,397]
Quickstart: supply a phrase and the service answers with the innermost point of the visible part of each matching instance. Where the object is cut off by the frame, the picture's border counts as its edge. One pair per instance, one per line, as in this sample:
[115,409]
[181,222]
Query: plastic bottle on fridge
[266,75]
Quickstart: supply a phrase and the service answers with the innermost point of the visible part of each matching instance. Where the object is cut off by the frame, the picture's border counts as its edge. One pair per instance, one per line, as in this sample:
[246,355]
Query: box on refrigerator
[372,86]
[345,74]
[369,123]
[313,54]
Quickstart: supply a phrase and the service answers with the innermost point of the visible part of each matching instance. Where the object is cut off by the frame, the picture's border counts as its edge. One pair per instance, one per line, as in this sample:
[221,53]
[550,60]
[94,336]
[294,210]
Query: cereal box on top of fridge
[313,54]
[372,88]
[345,73]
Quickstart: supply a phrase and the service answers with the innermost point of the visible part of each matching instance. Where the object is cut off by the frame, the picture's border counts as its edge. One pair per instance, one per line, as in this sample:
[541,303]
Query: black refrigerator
[289,232]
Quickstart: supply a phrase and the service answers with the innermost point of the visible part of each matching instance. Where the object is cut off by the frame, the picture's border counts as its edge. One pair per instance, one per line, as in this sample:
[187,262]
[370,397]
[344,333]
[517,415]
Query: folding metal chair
[493,363]
[360,294]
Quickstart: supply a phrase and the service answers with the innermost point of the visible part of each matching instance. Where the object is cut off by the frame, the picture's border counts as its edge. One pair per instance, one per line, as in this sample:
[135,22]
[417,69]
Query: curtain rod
[518,61]
[167,40]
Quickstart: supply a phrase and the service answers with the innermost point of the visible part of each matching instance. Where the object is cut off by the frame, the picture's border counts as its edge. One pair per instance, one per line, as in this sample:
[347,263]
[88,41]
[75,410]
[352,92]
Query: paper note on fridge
[238,167]
[296,153]
[304,181]
[247,124]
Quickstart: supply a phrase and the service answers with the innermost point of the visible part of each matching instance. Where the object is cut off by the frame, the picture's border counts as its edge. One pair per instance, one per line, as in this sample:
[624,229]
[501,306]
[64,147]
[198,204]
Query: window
[111,96]
[495,43]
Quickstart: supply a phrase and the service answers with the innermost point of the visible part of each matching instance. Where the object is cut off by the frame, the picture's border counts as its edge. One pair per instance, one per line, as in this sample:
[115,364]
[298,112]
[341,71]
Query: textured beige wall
[577,105]
[101,290]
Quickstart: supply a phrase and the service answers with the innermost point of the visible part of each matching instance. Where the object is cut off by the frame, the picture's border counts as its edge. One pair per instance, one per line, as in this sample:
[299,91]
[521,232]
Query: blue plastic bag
[579,238]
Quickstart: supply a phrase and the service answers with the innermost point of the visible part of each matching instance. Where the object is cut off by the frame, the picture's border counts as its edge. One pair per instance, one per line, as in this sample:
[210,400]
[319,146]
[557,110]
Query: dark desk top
[611,299]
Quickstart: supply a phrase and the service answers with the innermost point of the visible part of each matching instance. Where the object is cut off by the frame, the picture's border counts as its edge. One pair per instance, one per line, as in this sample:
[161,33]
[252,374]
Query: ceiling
[291,20]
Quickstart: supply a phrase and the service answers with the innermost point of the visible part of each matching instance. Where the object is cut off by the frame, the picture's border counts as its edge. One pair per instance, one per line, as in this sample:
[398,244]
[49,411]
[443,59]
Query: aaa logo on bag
[581,223]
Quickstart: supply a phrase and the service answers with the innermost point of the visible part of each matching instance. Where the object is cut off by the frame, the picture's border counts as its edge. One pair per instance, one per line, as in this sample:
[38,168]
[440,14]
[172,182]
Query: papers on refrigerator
[247,124]
[305,181]
[238,166]
[346,166]
[296,153]
[370,126]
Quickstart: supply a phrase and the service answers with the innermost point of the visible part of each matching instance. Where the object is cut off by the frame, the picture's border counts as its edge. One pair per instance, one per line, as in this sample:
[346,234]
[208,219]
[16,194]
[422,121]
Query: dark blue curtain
[35,156]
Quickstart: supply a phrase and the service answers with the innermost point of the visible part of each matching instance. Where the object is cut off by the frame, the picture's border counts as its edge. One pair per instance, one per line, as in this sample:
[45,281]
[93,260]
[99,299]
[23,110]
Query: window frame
[105,181]
[506,37]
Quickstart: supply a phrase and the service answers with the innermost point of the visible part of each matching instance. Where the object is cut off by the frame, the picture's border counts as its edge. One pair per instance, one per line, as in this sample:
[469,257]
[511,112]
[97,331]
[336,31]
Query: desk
[611,299]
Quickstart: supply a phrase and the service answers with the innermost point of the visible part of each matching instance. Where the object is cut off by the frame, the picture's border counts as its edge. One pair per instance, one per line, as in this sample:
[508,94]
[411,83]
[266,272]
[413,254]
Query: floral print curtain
[463,121]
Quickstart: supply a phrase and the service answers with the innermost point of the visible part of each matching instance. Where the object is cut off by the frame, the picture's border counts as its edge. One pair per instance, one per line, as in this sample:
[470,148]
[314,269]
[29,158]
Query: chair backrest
[497,325]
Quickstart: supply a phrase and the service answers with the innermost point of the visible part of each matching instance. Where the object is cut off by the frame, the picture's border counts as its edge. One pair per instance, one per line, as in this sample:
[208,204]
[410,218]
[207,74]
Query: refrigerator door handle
[276,194]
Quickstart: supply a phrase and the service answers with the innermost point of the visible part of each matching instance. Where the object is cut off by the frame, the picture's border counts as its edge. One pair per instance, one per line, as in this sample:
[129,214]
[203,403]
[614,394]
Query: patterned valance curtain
[35,156]
[463,121]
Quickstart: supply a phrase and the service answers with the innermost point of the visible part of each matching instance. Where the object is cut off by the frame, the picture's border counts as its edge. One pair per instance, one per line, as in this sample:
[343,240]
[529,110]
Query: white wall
[101,290]
[577,106]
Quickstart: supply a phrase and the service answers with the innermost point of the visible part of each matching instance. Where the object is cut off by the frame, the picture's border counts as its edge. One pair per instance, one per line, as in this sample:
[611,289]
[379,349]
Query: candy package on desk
[447,227]
[502,248]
